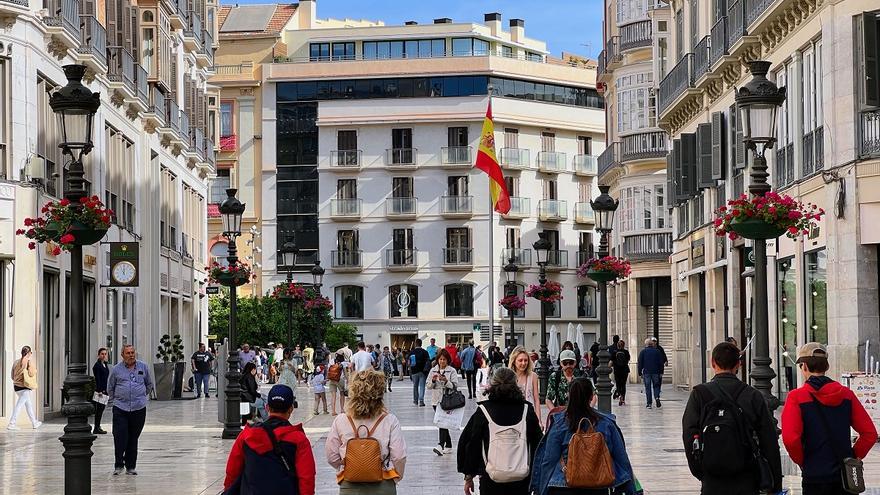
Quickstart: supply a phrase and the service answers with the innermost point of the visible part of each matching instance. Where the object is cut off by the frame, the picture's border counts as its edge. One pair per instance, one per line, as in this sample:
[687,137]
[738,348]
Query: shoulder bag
[452,399]
[852,471]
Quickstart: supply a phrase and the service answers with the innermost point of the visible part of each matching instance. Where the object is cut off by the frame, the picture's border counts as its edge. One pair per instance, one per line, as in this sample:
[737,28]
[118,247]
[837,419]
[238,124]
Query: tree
[340,333]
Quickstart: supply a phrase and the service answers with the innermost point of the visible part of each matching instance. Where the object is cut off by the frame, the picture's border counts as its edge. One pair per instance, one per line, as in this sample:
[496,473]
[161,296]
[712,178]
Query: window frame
[339,292]
[464,298]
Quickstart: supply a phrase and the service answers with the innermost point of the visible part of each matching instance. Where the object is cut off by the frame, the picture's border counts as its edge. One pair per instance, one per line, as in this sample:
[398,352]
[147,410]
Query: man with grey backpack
[499,441]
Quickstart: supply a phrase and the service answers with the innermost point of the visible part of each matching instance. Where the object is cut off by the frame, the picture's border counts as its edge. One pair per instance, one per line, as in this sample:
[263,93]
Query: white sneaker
[38,424]
[447,450]
[438,450]
[12,426]
[118,471]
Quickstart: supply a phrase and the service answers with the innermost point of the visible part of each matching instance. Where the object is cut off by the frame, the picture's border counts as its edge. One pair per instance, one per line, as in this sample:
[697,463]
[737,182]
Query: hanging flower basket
[319,303]
[289,291]
[548,292]
[229,276]
[766,217]
[68,224]
[605,269]
[512,303]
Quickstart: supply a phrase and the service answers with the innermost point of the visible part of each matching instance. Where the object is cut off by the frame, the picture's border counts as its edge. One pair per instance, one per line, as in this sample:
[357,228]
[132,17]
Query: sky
[566,25]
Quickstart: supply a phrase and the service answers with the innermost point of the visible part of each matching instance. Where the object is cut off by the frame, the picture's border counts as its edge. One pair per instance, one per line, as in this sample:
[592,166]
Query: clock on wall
[124,264]
[123,272]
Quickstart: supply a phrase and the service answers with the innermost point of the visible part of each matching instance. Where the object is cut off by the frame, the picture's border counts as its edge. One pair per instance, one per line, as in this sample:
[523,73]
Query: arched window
[403,296]
[219,252]
[349,301]
[148,16]
[459,299]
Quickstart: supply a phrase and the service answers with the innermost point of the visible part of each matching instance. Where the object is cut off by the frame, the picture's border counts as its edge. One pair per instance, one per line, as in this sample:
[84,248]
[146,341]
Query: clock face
[124,272]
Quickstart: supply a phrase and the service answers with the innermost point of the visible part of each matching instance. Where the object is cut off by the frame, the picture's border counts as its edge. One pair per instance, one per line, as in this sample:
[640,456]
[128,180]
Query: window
[346,148]
[458,238]
[634,102]
[407,294]
[401,187]
[695,22]
[786,281]
[679,35]
[457,185]
[119,160]
[401,146]
[585,191]
[512,185]
[548,141]
[402,240]
[643,208]
[585,145]
[349,301]
[551,190]
[346,189]
[554,310]
[343,51]
[319,52]
[462,47]
[458,136]
[226,128]
[631,10]
[586,301]
[511,138]
[662,57]
[424,48]
[459,300]
[817,296]
[49,137]
[585,247]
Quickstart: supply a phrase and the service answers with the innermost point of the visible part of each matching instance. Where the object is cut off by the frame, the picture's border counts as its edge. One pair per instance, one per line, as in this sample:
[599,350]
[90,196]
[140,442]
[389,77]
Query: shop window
[787,325]
[815,288]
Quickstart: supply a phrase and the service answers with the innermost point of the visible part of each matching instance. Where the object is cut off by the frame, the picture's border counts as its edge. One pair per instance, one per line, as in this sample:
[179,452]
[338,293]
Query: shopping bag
[449,419]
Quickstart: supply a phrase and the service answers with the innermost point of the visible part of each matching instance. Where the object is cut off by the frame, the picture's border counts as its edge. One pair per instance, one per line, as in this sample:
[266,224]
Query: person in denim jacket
[547,475]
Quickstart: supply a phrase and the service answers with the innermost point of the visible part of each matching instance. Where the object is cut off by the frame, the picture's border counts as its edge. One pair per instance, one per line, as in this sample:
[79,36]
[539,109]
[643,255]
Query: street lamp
[542,252]
[758,101]
[604,206]
[288,257]
[510,271]
[231,211]
[75,106]
[317,282]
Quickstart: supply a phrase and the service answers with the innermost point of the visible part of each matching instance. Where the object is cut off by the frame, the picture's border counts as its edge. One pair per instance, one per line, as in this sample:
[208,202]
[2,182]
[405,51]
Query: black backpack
[271,473]
[724,444]
[621,358]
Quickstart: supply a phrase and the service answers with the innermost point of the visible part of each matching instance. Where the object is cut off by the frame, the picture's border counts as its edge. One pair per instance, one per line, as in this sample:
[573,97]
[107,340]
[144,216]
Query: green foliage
[340,333]
[170,349]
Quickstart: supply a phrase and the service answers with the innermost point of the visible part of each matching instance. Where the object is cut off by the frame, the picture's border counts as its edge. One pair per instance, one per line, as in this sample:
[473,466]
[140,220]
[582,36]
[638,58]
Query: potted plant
[318,303]
[548,292]
[766,217]
[233,275]
[68,224]
[169,373]
[289,290]
[512,303]
[605,269]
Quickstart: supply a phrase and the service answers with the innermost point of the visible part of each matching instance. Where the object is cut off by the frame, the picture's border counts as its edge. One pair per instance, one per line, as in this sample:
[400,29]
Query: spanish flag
[488,162]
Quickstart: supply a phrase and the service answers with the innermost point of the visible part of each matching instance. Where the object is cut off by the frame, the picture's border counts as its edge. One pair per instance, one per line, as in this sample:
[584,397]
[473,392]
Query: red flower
[66,239]
[64,202]
[56,251]
[794,214]
[28,222]
[19,232]
[772,210]
[83,200]
[32,245]
[793,230]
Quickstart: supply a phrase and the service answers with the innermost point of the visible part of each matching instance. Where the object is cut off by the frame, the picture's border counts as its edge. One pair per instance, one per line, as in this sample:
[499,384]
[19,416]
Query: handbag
[452,399]
[852,472]
[29,381]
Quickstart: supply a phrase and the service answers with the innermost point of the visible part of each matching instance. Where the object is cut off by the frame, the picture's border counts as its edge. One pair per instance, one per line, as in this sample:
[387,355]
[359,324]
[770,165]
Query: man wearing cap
[557,388]
[255,467]
[816,422]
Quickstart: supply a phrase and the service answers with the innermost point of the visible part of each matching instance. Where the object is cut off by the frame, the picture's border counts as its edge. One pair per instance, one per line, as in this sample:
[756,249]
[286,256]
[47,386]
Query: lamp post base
[77,438]
[603,383]
[232,426]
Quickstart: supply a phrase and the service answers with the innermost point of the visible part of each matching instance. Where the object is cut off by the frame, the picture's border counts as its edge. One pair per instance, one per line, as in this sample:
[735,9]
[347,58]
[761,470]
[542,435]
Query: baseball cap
[812,349]
[567,355]
[281,397]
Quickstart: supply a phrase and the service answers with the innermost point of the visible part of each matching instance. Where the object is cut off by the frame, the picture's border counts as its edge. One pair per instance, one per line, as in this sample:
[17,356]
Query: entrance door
[47,337]
[404,341]
[703,332]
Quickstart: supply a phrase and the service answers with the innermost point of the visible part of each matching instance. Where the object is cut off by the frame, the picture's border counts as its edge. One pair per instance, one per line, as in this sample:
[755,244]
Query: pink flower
[772,210]
[32,245]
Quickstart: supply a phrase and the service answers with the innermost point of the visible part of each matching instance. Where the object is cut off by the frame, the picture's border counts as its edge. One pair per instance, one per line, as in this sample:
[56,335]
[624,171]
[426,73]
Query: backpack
[589,460]
[507,459]
[334,373]
[621,358]
[478,359]
[363,456]
[723,449]
[271,472]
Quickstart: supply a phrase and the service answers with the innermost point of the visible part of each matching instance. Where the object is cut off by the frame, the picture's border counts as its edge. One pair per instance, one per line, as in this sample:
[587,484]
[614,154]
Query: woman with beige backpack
[366,444]
[24,379]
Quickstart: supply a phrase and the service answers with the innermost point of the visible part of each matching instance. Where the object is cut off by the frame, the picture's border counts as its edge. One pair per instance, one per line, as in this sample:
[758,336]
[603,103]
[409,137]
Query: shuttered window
[689,165]
[871,58]
[674,174]
[704,156]
[719,157]
[737,146]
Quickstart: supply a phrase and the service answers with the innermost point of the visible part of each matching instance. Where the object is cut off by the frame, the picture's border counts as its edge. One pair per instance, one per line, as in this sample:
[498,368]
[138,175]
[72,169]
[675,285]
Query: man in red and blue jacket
[816,423]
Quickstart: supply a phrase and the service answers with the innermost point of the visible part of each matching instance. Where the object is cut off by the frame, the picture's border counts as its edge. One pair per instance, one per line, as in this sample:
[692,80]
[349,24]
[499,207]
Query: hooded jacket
[806,437]
[253,442]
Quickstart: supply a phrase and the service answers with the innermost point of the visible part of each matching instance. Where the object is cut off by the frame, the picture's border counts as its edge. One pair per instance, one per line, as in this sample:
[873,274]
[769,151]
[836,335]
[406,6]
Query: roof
[252,20]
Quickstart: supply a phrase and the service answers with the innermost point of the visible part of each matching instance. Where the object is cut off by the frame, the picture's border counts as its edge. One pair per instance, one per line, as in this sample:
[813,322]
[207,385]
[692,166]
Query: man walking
[345,351]
[816,423]
[245,355]
[278,353]
[128,386]
[560,380]
[432,349]
[101,372]
[201,367]
[362,360]
[727,429]
[650,367]
[420,372]
[467,365]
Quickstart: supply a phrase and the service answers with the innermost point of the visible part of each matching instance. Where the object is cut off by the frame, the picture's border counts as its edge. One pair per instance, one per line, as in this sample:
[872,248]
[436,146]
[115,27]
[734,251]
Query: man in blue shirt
[650,367]
[129,387]
[432,349]
[467,365]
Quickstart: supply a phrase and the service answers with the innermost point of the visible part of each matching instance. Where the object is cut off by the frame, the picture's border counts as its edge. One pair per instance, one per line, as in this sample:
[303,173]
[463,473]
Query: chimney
[443,20]
[410,23]
[307,11]
[517,30]
[493,20]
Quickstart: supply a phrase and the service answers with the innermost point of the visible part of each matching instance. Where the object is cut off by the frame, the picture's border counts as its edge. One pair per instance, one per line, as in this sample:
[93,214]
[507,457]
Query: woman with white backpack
[499,442]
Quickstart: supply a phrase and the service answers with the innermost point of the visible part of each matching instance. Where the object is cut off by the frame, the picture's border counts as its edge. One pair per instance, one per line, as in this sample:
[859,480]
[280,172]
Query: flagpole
[491,249]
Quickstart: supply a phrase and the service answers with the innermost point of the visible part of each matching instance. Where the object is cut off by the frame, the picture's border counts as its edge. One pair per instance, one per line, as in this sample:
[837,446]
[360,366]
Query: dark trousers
[470,377]
[445,437]
[99,412]
[620,379]
[127,427]
[832,488]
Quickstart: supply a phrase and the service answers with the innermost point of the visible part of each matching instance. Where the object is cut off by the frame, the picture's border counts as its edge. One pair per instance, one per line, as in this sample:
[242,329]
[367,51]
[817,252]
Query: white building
[370,134]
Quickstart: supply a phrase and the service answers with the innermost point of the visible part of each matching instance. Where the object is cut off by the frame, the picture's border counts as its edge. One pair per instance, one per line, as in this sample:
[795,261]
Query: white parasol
[579,338]
[553,346]
[569,334]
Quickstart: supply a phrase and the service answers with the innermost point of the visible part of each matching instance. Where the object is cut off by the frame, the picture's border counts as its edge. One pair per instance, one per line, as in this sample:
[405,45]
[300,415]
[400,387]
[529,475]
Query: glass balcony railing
[346,259]
[551,161]
[515,158]
[521,257]
[345,159]
[457,205]
[459,256]
[401,157]
[401,258]
[553,210]
[345,208]
[519,207]
[456,155]
[401,207]
[585,165]
[583,213]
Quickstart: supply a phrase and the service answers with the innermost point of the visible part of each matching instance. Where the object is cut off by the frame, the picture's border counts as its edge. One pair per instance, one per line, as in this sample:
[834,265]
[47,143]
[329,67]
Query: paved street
[181,451]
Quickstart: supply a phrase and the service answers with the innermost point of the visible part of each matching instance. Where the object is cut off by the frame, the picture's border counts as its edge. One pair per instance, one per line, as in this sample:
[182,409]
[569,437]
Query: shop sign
[404,328]
[698,253]
[212,290]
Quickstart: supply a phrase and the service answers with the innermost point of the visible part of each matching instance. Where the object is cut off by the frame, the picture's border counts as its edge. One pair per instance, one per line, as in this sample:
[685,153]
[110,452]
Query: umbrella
[569,334]
[579,338]
[553,347]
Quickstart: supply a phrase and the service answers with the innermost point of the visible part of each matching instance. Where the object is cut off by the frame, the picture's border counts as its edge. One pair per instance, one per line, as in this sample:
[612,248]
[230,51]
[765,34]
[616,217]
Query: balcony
[609,158]
[612,53]
[635,35]
[458,258]
[93,49]
[172,115]
[14,7]
[197,142]
[515,158]
[345,160]
[401,157]
[584,214]
[62,21]
[210,154]
[346,260]
[521,257]
[120,71]
[553,210]
[673,86]
[184,130]
[205,56]
[869,134]
[552,162]
[519,208]
[228,144]
[585,165]
[398,208]
[192,34]
[718,47]
[238,72]
[648,247]
[456,156]
[179,18]
[141,77]
[701,60]
[557,260]
[755,9]
[457,206]
[736,26]
[154,115]
[643,146]
[345,209]
[401,260]
[814,151]
[601,69]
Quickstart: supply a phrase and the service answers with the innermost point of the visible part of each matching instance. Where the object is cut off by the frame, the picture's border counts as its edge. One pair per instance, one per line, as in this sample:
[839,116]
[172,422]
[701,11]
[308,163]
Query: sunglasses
[568,363]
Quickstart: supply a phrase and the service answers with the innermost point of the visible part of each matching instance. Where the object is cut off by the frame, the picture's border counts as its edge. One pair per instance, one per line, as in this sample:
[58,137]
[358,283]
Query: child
[318,382]
[482,380]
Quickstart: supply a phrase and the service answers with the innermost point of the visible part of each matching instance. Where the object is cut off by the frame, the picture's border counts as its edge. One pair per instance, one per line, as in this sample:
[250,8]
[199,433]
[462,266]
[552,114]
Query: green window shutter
[689,166]
[704,156]
[719,163]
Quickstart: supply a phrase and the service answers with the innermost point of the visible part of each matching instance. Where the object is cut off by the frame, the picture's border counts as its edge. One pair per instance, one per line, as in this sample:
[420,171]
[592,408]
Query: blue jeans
[419,386]
[201,379]
[652,382]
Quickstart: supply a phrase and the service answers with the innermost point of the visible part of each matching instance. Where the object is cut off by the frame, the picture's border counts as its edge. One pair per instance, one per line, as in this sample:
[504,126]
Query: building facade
[370,171]
[634,165]
[150,162]
[825,287]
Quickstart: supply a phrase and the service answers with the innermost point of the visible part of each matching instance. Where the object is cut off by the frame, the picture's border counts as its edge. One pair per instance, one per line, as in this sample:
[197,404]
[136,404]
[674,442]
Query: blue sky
[566,25]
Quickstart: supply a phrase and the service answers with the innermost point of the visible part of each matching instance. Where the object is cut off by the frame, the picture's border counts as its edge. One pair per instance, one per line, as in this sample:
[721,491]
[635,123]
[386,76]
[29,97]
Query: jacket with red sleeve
[247,468]
[808,440]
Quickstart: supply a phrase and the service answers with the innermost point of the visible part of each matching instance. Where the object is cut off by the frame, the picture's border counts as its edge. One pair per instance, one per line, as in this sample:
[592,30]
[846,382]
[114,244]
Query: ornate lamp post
[604,206]
[318,281]
[510,271]
[75,106]
[542,252]
[231,212]
[757,103]
[288,257]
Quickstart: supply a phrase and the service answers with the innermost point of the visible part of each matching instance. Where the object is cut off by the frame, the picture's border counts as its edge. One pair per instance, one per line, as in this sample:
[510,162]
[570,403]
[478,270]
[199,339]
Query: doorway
[47,337]
[405,341]
[703,330]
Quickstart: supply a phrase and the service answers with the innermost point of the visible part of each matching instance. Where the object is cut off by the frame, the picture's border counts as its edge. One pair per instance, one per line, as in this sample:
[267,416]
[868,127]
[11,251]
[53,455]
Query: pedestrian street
[181,451]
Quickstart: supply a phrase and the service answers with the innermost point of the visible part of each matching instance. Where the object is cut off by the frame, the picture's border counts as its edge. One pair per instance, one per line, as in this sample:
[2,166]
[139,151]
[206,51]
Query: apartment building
[634,60]
[369,171]
[152,155]
[825,287]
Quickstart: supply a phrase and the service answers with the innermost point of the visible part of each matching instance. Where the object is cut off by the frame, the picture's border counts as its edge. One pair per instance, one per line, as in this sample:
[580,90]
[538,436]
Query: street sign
[212,336]
[212,289]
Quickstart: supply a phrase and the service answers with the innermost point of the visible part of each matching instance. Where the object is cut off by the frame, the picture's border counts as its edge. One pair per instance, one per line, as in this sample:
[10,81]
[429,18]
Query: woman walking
[366,415]
[620,365]
[287,370]
[526,378]
[337,377]
[387,366]
[442,376]
[505,408]
[482,380]
[249,390]
[548,477]
[24,379]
